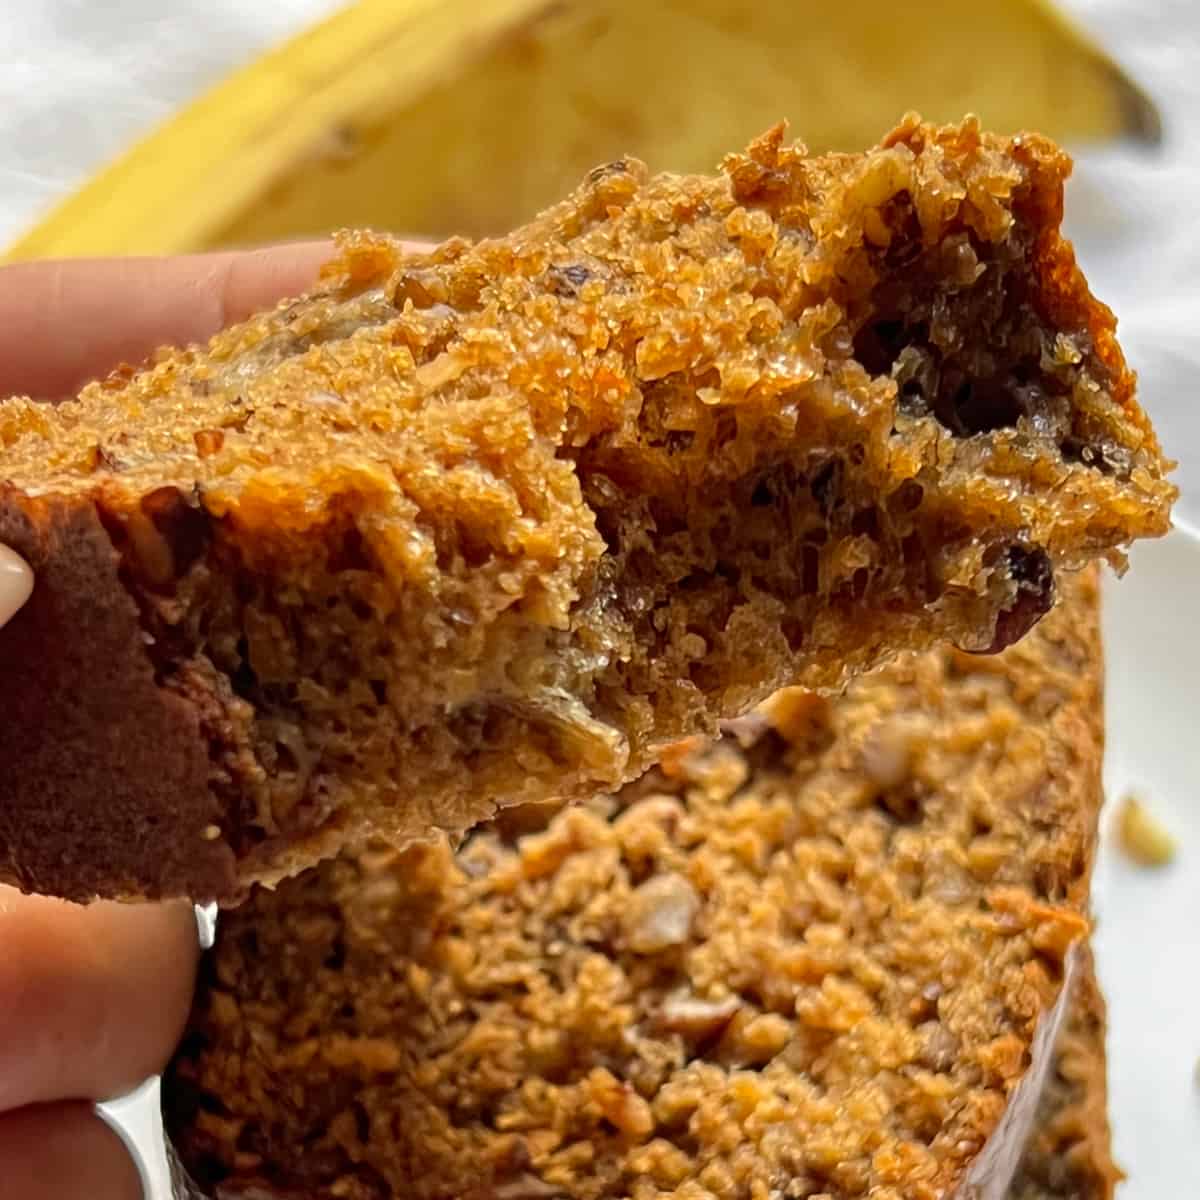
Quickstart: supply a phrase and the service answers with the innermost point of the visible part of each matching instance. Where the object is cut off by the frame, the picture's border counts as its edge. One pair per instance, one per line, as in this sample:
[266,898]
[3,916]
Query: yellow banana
[439,116]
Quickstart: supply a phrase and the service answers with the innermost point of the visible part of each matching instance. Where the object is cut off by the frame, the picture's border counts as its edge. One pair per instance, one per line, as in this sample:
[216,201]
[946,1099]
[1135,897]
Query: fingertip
[92,999]
[65,1152]
[251,281]
[65,322]
[16,583]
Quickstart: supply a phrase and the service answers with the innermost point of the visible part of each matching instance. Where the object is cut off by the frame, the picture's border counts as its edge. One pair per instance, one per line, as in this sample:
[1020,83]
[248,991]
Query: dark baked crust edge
[79,702]
[1069,1156]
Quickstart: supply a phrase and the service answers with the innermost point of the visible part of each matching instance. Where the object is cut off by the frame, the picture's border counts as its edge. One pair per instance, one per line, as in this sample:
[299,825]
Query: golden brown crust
[492,525]
[812,957]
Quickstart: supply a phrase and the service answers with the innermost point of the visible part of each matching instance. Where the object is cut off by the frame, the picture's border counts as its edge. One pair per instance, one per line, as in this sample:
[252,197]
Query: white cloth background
[80,79]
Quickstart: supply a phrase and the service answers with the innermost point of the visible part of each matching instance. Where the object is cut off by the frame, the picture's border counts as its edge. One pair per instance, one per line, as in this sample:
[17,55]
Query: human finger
[92,998]
[64,1152]
[16,583]
[67,321]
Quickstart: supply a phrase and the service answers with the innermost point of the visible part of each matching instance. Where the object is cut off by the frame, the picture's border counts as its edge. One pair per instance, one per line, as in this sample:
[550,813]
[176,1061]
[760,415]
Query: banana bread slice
[823,957]
[492,525]
[1067,1157]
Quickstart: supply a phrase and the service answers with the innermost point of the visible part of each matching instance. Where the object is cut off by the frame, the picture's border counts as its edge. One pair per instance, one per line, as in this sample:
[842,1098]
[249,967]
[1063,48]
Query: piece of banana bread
[811,960]
[1067,1157]
[490,526]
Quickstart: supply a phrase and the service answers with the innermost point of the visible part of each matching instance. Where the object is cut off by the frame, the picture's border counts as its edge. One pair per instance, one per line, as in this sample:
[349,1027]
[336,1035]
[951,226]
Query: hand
[93,999]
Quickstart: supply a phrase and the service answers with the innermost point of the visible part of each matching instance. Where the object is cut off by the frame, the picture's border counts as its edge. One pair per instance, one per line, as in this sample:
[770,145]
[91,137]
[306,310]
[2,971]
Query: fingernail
[16,583]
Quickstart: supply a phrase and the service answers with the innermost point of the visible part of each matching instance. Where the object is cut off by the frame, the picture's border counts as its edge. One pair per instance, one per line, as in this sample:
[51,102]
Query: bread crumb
[1142,836]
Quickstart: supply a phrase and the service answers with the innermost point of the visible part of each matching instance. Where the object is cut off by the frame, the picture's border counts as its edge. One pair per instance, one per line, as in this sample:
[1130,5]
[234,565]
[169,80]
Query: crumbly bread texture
[1069,1156]
[808,960]
[491,526]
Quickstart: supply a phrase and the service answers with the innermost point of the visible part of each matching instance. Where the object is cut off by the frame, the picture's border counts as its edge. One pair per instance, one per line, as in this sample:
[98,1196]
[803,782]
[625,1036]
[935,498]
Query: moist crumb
[768,968]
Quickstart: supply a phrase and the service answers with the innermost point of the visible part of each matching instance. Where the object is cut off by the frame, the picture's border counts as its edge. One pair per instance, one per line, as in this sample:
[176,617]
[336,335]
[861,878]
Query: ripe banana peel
[432,117]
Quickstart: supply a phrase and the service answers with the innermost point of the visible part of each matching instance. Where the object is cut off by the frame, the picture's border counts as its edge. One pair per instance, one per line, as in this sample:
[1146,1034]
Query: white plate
[1148,936]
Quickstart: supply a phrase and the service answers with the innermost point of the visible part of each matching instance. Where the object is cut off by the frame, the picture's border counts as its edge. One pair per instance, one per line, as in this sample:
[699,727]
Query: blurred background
[152,126]
[137,126]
